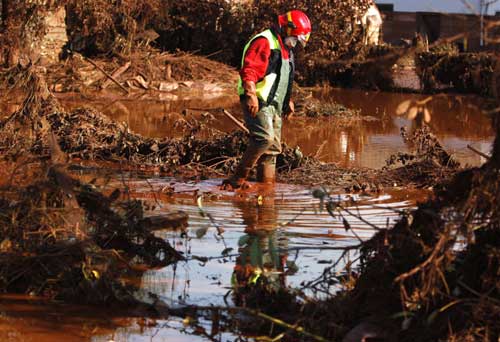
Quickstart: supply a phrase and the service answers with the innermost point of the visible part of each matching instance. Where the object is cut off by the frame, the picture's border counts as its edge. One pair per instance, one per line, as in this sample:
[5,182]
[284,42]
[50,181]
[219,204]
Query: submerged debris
[427,166]
[59,237]
[315,108]
[62,238]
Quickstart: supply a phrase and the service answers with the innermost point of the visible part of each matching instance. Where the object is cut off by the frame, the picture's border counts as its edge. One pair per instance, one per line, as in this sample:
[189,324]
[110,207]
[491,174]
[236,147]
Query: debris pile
[465,72]
[366,67]
[440,263]
[428,165]
[99,28]
[142,70]
[65,239]
[59,237]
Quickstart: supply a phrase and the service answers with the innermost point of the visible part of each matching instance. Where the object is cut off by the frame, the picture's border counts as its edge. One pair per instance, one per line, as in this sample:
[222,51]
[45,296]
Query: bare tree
[484,7]
[481,10]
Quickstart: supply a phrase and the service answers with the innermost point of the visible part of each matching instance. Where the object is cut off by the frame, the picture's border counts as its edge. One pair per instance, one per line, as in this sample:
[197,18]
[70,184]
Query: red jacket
[257,59]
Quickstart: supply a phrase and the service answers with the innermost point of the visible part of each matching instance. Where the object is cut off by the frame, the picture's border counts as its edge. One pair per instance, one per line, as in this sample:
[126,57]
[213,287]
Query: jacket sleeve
[256,60]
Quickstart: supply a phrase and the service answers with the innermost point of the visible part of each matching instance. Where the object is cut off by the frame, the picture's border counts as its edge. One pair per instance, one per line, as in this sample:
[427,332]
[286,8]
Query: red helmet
[295,23]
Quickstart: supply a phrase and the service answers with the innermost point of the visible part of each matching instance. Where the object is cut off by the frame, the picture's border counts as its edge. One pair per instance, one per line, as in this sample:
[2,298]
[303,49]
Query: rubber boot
[266,171]
[238,179]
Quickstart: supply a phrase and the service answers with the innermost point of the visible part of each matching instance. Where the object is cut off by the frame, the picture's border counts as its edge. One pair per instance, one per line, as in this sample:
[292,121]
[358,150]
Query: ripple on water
[289,218]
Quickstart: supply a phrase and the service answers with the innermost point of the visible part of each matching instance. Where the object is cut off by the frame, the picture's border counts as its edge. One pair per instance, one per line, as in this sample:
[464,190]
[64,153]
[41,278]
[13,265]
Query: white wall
[450,6]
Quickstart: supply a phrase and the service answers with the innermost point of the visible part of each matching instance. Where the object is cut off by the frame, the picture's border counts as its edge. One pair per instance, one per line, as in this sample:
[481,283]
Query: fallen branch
[236,121]
[185,310]
[106,74]
[484,155]
[115,75]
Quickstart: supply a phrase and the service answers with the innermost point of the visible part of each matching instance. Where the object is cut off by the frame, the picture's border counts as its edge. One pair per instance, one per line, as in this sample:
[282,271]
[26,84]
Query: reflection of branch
[217,226]
[279,250]
[190,310]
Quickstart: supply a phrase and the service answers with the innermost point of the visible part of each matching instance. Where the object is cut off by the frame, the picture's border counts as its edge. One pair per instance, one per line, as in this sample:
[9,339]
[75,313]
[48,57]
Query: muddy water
[284,227]
[457,120]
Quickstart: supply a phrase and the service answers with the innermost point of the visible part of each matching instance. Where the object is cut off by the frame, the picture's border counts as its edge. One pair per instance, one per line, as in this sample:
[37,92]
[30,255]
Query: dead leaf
[141,81]
[403,107]
[201,232]
[412,113]
[427,115]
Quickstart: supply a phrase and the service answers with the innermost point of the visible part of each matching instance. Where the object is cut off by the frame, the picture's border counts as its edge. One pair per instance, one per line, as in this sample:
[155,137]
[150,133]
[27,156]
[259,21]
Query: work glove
[251,100]
[289,110]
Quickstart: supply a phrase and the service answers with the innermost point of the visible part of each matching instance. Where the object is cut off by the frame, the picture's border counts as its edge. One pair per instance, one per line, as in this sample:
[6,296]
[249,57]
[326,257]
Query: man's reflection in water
[259,270]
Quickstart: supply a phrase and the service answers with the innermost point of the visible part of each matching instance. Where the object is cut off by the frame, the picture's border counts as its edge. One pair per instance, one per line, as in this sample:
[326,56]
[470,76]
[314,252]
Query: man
[265,85]
[372,25]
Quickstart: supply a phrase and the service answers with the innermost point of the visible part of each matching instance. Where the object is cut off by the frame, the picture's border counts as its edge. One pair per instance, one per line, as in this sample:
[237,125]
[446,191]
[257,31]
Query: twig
[115,75]
[480,295]
[440,244]
[105,73]
[295,327]
[320,149]
[236,121]
[484,155]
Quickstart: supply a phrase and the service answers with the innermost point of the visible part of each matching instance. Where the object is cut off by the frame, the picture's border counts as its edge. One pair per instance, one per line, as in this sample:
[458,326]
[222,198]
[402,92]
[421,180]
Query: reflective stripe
[265,86]
[290,20]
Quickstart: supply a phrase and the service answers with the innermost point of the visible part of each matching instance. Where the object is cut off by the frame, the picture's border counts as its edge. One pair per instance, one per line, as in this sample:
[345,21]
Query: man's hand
[252,103]
[251,100]
[291,110]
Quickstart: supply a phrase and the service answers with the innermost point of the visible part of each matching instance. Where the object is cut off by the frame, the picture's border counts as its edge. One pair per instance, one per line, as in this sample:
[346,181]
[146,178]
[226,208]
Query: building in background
[443,6]
[470,30]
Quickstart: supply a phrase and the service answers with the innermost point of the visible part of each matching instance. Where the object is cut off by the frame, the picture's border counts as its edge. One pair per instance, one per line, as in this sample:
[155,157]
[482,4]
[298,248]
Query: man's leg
[261,139]
[266,168]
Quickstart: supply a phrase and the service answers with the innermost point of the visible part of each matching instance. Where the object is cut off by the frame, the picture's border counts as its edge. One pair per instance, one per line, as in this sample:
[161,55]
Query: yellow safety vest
[267,87]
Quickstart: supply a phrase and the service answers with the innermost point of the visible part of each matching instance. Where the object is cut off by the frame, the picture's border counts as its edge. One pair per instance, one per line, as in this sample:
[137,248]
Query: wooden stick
[478,152]
[105,73]
[116,74]
[236,121]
